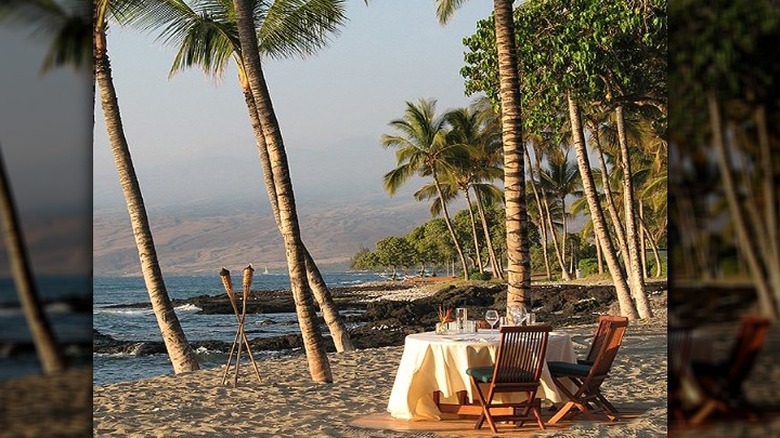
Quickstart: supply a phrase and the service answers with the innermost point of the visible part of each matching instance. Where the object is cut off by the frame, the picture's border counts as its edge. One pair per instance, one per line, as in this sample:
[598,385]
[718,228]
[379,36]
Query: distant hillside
[202,240]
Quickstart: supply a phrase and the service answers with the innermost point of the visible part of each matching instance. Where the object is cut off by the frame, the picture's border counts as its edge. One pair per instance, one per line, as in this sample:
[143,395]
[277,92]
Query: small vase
[441,328]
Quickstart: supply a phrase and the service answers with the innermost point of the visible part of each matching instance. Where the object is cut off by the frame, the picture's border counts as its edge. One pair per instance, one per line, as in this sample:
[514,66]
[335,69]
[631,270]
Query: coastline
[287,403]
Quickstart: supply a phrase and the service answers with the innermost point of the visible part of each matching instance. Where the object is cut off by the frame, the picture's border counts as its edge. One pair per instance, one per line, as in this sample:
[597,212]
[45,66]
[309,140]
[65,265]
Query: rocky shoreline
[384,313]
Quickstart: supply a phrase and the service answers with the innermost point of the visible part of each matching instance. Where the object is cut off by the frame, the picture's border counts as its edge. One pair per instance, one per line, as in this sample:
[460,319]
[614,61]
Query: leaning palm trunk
[447,221]
[498,271]
[617,224]
[632,232]
[21,270]
[558,255]
[746,240]
[519,264]
[322,295]
[597,215]
[319,368]
[542,226]
[473,221]
[181,354]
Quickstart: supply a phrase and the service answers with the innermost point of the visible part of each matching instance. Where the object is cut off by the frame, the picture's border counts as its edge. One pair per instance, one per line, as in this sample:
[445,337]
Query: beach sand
[42,406]
[286,403]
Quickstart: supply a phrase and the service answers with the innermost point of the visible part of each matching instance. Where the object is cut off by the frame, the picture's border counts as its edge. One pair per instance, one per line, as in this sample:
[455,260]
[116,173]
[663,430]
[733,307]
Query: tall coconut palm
[422,149]
[560,180]
[476,128]
[206,37]
[319,367]
[181,353]
[519,265]
[597,215]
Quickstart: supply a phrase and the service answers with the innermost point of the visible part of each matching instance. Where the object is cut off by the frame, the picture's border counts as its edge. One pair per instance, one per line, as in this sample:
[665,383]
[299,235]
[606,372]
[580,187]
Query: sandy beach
[286,403]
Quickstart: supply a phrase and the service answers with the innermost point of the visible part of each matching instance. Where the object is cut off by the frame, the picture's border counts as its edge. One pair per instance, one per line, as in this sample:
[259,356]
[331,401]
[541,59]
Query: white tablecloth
[432,362]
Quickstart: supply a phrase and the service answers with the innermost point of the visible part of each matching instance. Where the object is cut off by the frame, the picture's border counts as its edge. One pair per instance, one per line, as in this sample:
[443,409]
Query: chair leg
[485,409]
[537,410]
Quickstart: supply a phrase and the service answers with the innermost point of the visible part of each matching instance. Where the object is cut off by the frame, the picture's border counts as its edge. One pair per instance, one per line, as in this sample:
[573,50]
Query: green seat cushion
[568,369]
[585,362]
[481,374]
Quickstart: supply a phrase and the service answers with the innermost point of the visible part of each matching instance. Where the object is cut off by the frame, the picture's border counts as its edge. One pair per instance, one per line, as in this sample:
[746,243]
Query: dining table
[432,380]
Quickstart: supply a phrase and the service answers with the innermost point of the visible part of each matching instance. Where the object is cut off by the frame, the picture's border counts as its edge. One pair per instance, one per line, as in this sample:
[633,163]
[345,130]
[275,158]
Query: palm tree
[519,265]
[319,368]
[560,180]
[597,215]
[422,149]
[207,38]
[181,353]
[476,128]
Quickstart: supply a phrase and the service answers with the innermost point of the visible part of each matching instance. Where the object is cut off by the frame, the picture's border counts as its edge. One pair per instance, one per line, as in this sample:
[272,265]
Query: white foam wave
[188,308]
[125,311]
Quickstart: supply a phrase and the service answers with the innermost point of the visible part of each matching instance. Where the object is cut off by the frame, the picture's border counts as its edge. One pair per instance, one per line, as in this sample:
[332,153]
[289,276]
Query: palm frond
[445,9]
[300,27]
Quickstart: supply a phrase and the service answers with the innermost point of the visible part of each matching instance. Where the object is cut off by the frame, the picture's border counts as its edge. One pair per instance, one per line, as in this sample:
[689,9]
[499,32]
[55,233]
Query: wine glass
[491,316]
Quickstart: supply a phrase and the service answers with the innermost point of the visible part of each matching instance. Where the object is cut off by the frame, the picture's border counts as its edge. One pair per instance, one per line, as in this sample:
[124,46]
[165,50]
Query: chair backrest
[750,340]
[521,352]
[601,332]
[613,339]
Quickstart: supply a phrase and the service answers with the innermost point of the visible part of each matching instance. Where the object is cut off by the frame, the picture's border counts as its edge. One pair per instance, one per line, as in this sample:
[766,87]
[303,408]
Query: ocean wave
[127,311]
[187,308]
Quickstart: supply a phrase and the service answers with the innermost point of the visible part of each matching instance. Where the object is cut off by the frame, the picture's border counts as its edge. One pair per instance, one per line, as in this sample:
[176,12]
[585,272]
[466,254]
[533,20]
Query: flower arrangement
[445,316]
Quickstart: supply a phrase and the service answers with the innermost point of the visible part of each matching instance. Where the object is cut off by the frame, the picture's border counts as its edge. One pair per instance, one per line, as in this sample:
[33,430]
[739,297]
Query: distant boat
[265,271]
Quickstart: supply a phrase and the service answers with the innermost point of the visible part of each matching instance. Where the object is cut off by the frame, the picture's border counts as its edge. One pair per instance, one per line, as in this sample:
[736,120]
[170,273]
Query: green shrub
[588,266]
[480,276]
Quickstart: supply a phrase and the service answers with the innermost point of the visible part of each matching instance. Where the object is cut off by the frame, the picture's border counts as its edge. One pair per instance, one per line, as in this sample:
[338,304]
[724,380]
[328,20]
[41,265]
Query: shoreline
[287,403]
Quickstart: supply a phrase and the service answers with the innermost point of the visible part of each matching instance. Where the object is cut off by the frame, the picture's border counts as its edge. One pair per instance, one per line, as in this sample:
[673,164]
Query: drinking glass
[491,316]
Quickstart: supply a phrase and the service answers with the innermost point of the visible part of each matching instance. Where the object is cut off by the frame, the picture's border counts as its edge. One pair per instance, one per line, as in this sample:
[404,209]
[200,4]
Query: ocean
[113,314]
[71,324]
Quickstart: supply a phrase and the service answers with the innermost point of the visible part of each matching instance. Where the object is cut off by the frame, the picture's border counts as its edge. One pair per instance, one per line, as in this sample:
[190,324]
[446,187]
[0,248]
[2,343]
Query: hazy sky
[45,137]
[190,136]
[45,126]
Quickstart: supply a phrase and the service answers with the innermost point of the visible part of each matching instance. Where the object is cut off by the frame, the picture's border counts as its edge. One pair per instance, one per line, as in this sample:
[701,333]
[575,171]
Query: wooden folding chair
[721,383]
[598,338]
[587,379]
[518,369]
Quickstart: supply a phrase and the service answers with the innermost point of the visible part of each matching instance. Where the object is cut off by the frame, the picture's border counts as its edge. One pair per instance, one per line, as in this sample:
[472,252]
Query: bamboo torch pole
[247,284]
[227,283]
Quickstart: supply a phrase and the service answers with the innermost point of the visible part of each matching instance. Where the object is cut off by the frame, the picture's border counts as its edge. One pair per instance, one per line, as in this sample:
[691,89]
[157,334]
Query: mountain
[202,238]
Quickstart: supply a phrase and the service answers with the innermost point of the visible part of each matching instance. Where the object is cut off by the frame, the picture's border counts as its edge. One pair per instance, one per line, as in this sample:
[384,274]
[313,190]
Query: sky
[190,137]
[45,138]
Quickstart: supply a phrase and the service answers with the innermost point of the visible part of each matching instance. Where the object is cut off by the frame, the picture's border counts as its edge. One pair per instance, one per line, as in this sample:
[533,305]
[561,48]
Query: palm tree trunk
[42,336]
[599,256]
[561,262]
[653,247]
[181,354]
[632,234]
[519,265]
[474,232]
[495,264]
[542,227]
[319,368]
[447,221]
[617,224]
[330,313]
[597,215]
